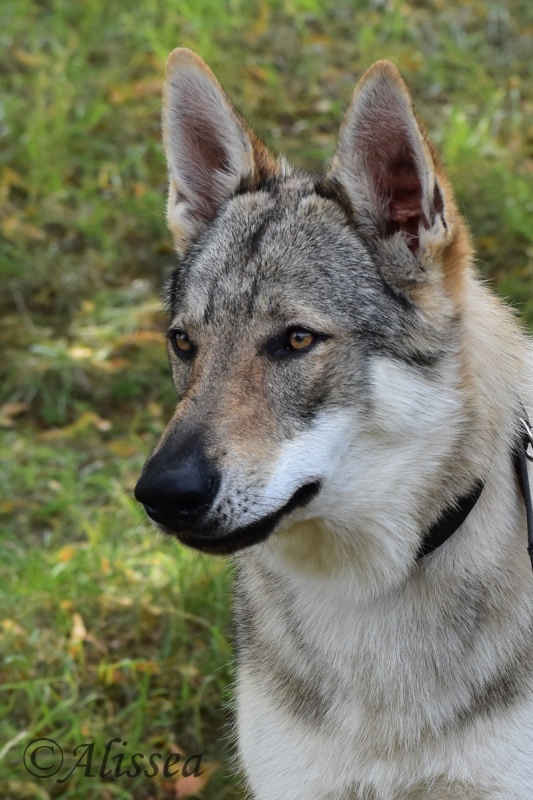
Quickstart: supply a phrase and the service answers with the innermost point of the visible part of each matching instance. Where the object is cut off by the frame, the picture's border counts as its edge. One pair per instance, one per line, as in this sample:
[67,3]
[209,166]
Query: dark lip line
[254,532]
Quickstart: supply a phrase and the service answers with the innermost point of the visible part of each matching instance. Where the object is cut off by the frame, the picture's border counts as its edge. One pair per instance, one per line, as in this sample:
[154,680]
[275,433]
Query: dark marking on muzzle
[208,539]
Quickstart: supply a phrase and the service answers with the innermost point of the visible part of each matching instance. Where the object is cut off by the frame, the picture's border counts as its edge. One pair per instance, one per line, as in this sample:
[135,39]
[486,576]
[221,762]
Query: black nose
[174,490]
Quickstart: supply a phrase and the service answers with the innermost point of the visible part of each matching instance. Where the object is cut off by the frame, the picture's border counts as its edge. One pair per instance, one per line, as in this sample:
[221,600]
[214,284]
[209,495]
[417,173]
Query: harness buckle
[528,438]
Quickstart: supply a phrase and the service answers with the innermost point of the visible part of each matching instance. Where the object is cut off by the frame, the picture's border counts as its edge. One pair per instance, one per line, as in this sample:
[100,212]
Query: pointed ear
[390,174]
[210,151]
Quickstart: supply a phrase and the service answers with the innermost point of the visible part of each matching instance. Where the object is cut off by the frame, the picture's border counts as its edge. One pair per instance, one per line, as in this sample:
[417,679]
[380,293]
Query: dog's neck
[454,515]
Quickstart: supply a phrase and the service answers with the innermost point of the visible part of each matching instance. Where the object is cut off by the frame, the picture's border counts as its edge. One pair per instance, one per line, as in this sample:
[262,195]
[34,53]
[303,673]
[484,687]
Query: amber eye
[181,343]
[294,342]
[300,340]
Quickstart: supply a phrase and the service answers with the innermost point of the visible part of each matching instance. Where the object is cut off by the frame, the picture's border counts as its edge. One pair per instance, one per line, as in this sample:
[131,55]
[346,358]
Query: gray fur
[363,674]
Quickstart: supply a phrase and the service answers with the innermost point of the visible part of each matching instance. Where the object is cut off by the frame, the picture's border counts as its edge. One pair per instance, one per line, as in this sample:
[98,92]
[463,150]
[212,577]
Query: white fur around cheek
[312,455]
[342,449]
[394,453]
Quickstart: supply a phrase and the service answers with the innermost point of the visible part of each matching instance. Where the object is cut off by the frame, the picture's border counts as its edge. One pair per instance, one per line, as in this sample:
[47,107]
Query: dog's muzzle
[209,538]
[179,494]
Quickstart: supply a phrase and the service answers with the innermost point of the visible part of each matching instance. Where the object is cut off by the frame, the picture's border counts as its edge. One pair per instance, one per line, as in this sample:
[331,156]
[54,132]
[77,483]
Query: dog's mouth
[255,532]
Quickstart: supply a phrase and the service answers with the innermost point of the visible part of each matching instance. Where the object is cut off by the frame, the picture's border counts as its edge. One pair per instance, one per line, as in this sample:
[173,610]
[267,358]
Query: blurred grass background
[106,630]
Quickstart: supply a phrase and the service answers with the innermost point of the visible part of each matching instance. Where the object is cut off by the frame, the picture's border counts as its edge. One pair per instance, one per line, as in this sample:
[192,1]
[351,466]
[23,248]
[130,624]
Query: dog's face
[313,323]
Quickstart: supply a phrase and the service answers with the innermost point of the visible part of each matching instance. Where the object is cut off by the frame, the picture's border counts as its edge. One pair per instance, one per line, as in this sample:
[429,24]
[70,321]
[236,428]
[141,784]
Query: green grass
[105,629]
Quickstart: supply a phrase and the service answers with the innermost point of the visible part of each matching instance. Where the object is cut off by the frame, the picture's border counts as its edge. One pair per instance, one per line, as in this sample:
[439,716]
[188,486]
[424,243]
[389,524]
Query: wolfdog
[353,403]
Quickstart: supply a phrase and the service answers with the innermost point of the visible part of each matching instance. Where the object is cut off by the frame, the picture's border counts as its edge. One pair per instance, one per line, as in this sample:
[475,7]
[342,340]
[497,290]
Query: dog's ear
[210,151]
[390,174]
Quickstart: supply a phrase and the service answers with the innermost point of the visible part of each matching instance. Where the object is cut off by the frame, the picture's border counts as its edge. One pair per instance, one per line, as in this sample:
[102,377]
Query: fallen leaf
[138,338]
[122,448]
[13,227]
[13,409]
[192,784]
[78,634]
[29,59]
[78,352]
[10,177]
[66,554]
[86,420]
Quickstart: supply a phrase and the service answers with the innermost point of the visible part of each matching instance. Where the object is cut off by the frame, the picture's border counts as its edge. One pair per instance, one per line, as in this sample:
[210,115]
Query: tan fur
[365,672]
[455,249]
[443,790]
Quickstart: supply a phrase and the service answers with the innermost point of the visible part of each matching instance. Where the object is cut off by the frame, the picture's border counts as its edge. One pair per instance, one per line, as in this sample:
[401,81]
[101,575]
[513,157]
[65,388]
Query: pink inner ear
[401,184]
[384,136]
[394,174]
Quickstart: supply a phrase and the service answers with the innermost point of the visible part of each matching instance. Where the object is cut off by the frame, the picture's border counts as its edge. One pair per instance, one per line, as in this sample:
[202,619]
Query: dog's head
[312,334]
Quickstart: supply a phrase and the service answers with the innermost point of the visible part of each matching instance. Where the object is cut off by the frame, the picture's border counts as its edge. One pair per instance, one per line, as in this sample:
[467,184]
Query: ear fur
[210,151]
[395,185]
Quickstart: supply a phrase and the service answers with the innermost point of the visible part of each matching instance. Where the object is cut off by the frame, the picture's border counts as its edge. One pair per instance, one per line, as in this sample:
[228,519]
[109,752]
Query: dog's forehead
[274,253]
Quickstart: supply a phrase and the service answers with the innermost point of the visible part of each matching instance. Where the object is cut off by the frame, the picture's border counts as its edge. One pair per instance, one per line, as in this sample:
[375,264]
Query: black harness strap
[450,519]
[453,517]
[520,462]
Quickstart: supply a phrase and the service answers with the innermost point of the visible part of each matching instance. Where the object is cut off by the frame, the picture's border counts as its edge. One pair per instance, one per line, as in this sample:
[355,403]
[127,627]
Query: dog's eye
[181,343]
[293,342]
[300,339]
